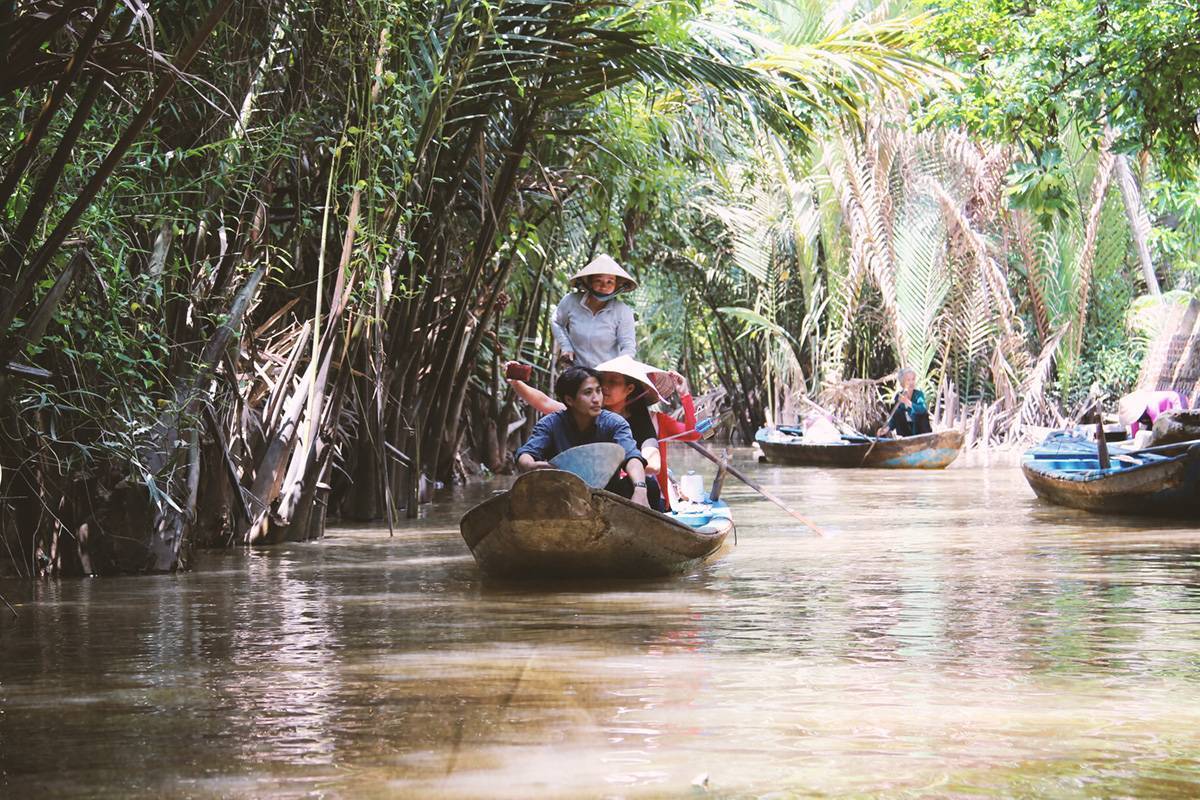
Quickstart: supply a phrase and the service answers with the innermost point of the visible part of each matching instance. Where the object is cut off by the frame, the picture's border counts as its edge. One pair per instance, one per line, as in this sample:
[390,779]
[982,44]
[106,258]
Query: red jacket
[669,426]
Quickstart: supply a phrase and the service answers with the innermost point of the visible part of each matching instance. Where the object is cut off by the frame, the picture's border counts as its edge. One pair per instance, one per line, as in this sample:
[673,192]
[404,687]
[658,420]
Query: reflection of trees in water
[955,570]
[950,610]
[284,651]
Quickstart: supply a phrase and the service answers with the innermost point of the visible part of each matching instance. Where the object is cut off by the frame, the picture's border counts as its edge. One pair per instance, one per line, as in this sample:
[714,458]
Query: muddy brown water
[952,637]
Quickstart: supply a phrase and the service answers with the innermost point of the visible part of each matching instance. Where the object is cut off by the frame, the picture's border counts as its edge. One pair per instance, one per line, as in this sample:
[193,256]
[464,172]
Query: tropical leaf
[921,283]
[756,321]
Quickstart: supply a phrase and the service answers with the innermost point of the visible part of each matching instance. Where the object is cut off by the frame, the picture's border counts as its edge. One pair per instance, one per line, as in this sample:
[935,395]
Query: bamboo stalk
[41,260]
[20,160]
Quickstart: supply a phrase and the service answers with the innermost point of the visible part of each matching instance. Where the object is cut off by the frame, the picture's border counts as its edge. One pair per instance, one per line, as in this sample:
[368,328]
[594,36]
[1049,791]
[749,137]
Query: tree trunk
[1139,221]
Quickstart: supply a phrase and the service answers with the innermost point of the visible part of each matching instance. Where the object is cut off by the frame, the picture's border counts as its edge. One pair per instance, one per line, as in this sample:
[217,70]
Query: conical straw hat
[605,265]
[1131,407]
[658,383]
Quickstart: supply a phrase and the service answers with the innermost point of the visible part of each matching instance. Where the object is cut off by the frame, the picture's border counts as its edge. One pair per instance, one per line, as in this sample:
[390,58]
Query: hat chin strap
[604,298]
[643,393]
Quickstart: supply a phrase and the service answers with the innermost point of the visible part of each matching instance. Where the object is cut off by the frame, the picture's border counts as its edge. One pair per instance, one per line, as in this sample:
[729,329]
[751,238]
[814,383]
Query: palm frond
[921,283]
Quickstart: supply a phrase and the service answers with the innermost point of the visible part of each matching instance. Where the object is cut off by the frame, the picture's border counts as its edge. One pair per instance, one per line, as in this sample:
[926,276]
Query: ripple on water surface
[951,637]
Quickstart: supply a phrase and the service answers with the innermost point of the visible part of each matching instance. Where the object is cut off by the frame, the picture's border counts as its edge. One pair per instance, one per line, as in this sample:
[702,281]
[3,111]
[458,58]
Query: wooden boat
[550,524]
[1066,471]
[926,451]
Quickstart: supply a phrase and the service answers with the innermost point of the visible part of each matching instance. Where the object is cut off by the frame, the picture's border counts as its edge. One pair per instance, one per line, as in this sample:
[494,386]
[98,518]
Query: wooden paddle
[737,473]
[1102,443]
[702,427]
[1161,447]
[877,438]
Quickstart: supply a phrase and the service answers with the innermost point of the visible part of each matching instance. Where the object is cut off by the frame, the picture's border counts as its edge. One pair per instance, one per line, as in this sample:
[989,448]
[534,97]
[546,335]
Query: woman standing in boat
[630,388]
[591,325]
[910,414]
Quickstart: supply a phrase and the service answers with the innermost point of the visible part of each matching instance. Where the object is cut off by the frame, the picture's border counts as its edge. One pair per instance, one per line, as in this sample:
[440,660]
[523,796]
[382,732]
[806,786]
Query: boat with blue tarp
[1066,469]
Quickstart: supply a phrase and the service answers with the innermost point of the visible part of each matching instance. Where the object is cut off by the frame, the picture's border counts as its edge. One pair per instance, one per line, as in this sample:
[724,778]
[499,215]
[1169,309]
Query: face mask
[603,298]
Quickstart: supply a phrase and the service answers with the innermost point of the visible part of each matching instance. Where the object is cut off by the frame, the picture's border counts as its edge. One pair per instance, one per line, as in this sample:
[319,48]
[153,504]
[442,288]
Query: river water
[951,637]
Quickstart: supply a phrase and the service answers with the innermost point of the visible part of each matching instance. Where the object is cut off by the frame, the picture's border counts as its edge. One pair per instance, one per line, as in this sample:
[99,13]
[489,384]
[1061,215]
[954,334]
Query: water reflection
[953,636]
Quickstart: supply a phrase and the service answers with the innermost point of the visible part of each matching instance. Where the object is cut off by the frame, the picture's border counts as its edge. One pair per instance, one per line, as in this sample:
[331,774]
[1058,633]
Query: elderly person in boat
[591,325]
[910,414]
[630,388]
[583,420]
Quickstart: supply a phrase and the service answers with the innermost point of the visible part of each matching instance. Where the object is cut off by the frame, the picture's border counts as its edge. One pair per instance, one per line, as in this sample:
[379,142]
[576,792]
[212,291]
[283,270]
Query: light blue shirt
[593,337]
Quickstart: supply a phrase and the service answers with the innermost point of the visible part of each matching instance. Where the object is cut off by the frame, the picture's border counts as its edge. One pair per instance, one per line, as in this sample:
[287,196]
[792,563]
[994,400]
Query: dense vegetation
[262,261]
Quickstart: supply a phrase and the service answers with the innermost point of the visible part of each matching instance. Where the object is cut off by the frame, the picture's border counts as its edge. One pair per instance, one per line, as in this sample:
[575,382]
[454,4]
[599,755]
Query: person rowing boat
[910,414]
[591,325]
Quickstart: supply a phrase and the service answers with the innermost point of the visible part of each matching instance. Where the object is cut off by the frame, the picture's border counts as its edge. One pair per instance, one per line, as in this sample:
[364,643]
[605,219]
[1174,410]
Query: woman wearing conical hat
[591,325]
[1138,410]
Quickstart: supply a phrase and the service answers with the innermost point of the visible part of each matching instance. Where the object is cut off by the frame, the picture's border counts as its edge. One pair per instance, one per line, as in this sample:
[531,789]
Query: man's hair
[571,379]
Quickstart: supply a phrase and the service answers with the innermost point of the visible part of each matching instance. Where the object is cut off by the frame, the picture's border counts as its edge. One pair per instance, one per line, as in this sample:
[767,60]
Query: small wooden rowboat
[550,524]
[926,451]
[1067,472]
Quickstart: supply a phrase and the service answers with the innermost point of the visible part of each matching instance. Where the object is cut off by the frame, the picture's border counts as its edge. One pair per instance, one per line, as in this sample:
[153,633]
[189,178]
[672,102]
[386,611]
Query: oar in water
[735,472]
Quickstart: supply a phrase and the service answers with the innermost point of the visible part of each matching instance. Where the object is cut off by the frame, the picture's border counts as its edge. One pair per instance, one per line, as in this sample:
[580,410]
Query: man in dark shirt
[584,421]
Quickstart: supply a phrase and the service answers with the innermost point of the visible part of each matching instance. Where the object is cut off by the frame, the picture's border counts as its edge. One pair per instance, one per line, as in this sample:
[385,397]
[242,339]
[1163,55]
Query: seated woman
[583,420]
[629,389]
[910,415]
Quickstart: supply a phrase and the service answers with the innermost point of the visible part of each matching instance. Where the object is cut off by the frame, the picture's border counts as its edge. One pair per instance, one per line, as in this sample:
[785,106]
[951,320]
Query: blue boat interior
[1048,463]
[699,517]
[794,430]
[1066,454]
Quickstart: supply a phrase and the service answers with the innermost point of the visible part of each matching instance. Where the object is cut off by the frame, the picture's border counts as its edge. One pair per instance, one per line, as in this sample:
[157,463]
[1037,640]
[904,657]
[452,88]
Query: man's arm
[616,428]
[532,454]
[637,474]
[526,463]
[634,465]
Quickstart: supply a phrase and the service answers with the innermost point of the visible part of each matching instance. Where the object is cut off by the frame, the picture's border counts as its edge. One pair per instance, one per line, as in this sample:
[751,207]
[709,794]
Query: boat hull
[550,524]
[927,451]
[1167,487]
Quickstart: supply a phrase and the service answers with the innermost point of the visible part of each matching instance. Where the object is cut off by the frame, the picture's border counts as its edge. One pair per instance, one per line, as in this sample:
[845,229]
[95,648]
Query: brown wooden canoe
[927,451]
[550,524]
[1067,472]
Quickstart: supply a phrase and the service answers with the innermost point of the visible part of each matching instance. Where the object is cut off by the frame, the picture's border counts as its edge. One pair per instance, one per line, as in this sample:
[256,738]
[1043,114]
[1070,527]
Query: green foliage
[1042,187]
[1032,71]
[754,165]
[1177,233]
[921,283]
